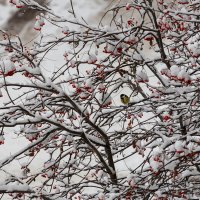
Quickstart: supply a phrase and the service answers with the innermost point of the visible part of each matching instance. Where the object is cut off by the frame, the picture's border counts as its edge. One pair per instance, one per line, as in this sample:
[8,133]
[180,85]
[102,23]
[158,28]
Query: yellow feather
[124,99]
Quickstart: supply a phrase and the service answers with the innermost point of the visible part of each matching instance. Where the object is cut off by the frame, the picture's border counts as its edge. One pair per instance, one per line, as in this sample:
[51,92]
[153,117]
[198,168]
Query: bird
[124,99]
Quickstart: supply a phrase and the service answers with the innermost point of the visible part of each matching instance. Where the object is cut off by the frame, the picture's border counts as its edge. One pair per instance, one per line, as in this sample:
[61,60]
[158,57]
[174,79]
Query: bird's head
[122,95]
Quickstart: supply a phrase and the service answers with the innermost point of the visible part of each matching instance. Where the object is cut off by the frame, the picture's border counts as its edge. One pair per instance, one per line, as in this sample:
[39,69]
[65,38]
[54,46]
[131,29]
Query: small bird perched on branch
[124,99]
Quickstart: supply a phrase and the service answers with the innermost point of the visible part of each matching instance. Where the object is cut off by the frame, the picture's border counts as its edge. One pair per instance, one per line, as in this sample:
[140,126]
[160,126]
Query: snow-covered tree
[62,94]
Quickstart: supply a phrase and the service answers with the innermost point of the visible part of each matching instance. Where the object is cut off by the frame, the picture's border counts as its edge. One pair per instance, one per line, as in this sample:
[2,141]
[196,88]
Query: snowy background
[91,11]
